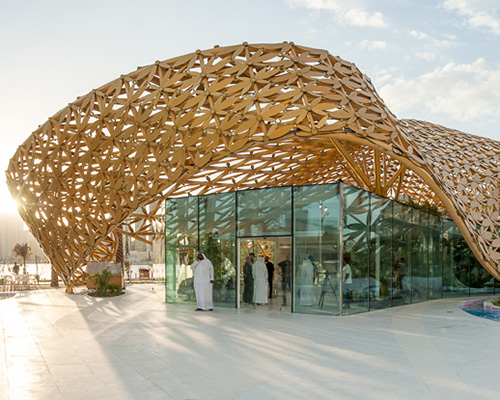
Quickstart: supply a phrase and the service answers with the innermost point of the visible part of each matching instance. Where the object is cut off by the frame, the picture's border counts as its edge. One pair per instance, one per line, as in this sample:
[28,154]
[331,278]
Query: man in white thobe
[203,280]
[307,283]
[261,277]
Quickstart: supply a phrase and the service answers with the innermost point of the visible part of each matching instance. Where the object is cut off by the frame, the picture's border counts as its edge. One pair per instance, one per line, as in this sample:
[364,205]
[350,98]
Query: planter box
[97,267]
[115,280]
[490,307]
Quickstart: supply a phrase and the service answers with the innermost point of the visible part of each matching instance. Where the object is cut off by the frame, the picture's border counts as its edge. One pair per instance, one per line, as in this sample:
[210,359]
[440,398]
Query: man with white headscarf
[260,276]
[203,279]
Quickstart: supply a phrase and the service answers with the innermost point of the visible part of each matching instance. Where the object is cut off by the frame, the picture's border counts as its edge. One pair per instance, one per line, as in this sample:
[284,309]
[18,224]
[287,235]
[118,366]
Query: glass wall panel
[265,212]
[435,257]
[395,254]
[316,235]
[181,242]
[462,273]
[481,282]
[359,286]
[381,271]
[456,263]
[419,256]
[217,215]
[278,251]
[402,250]
[496,287]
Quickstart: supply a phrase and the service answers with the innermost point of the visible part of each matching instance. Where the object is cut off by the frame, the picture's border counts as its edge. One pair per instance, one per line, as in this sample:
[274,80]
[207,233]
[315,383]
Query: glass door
[276,252]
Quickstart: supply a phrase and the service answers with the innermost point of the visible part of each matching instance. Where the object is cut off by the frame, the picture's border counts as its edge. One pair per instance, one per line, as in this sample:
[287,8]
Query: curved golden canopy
[232,118]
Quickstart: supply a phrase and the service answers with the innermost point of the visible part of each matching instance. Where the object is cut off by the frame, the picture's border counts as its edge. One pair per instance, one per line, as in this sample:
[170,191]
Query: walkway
[57,346]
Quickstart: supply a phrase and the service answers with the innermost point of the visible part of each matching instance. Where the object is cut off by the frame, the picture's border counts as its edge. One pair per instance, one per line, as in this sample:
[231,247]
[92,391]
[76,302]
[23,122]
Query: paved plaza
[58,346]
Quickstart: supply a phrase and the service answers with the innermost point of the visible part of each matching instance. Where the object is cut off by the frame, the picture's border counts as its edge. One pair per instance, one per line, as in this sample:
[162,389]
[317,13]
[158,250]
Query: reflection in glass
[283,274]
[263,212]
[481,282]
[217,240]
[316,234]
[306,285]
[356,247]
[419,256]
[396,254]
[402,250]
[381,271]
[181,238]
[435,257]
[462,273]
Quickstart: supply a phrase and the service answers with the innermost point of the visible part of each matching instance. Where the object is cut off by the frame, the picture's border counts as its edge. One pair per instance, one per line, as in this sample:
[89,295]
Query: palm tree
[119,258]
[22,250]
[54,277]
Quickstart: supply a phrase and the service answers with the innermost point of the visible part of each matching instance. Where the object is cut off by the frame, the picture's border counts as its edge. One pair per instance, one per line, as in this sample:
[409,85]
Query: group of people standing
[258,279]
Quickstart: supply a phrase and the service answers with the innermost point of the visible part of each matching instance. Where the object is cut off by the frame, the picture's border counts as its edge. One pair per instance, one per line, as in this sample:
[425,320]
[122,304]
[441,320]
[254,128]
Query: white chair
[22,281]
[33,283]
[9,283]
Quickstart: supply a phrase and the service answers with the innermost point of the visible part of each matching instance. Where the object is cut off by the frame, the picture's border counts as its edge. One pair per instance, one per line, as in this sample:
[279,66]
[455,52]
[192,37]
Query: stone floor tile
[59,346]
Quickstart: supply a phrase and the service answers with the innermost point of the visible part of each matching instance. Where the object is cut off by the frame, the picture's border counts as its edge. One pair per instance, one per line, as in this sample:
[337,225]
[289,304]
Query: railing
[20,282]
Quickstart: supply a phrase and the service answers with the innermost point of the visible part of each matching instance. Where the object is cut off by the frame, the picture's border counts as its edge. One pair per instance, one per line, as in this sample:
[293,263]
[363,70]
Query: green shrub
[114,288]
[104,288]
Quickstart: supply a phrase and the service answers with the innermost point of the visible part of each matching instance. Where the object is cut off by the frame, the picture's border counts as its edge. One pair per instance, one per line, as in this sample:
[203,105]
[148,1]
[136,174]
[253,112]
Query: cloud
[373,45]
[425,55]
[332,5]
[358,17]
[463,92]
[345,15]
[418,35]
[433,41]
[312,32]
[478,14]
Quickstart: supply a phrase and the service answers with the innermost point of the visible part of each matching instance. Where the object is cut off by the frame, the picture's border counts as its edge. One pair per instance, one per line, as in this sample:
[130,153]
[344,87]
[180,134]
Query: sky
[437,61]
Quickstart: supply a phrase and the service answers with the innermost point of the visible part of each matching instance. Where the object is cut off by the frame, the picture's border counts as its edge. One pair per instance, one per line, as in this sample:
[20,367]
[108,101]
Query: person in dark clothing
[285,276]
[15,268]
[270,275]
[248,279]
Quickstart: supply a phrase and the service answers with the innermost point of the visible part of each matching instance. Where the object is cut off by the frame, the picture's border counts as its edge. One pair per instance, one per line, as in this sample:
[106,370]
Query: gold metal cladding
[232,118]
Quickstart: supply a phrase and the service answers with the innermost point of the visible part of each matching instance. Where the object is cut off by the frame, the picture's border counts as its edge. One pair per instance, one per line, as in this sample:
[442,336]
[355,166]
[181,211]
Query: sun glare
[7,203]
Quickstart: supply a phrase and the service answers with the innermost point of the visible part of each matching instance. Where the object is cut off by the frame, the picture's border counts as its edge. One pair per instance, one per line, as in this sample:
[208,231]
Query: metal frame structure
[232,118]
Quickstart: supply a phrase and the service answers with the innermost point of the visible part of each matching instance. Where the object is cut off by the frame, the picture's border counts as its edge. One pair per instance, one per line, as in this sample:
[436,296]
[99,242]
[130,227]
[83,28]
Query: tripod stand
[326,287]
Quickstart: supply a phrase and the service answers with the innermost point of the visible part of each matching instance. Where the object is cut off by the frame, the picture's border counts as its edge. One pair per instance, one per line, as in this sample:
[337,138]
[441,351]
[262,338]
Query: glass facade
[401,254]
[381,284]
[462,273]
[316,247]
[265,212]
[323,244]
[217,241]
[205,223]
[357,286]
[181,243]
[419,256]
